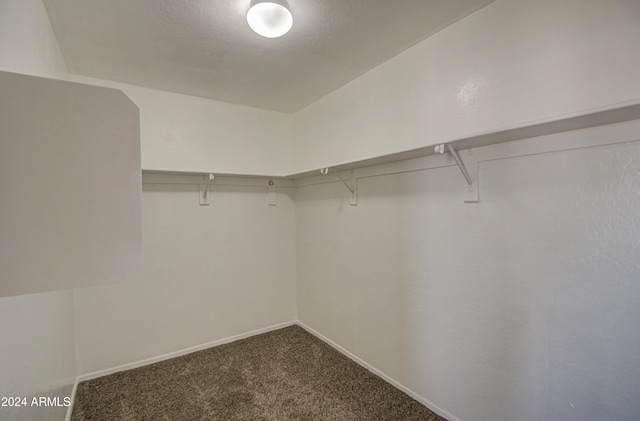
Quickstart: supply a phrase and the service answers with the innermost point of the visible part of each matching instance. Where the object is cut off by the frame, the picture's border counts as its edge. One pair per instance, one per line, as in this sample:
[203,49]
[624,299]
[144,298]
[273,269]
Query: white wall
[37,352]
[186,133]
[512,63]
[37,349]
[523,306]
[27,43]
[210,272]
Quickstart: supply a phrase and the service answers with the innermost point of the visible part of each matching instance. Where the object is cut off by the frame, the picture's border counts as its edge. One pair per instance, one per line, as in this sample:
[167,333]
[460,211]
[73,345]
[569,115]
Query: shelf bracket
[272,195]
[204,189]
[353,190]
[469,171]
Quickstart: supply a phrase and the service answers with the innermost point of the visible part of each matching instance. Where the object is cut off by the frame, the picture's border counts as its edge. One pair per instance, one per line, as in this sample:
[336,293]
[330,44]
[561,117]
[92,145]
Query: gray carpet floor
[287,374]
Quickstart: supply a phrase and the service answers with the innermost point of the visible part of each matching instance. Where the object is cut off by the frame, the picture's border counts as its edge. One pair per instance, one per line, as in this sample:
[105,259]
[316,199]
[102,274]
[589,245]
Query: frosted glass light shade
[270,18]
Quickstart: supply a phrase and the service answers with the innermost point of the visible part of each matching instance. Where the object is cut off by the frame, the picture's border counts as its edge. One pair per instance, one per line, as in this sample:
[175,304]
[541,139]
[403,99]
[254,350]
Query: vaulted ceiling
[205,47]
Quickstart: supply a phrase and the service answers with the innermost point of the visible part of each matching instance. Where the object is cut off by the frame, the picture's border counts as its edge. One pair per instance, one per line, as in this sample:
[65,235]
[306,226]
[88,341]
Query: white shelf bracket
[469,171]
[204,189]
[353,190]
[272,194]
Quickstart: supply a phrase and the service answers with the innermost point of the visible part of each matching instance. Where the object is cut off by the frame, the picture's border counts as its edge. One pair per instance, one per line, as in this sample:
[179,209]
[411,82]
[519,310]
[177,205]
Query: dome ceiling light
[270,18]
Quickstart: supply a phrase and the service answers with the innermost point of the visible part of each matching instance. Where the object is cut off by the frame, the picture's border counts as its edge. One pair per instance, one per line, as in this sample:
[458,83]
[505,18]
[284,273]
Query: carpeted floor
[287,374]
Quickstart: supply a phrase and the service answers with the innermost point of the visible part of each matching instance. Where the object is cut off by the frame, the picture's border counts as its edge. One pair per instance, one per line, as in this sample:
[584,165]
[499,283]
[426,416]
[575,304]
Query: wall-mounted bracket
[272,195]
[353,190]
[469,171]
[204,189]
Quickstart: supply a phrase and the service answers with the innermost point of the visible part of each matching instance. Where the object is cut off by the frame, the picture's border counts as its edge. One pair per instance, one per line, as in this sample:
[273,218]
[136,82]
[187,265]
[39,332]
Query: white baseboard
[73,399]
[147,361]
[379,373]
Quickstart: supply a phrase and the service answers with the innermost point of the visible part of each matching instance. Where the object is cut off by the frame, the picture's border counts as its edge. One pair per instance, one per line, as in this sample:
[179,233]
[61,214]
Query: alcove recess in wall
[70,185]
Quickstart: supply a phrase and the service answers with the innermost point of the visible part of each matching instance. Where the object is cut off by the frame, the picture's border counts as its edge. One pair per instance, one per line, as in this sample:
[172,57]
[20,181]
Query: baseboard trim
[147,361]
[163,357]
[73,399]
[377,372]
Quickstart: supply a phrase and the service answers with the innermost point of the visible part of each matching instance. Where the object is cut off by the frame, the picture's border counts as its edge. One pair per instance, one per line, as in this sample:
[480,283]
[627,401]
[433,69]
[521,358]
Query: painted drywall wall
[521,307]
[37,350]
[27,42]
[210,272]
[510,64]
[37,357]
[191,134]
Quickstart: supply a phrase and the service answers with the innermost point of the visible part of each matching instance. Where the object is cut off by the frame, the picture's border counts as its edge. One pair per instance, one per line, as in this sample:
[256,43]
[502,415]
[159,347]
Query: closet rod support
[456,157]
[204,189]
[354,199]
[325,171]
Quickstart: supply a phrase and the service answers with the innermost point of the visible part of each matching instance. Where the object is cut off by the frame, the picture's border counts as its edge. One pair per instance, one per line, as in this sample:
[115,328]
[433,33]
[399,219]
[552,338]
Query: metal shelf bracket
[353,190]
[272,193]
[469,171]
[204,189]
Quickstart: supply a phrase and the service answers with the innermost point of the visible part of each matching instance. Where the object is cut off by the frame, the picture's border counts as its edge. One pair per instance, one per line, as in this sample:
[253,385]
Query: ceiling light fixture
[270,18]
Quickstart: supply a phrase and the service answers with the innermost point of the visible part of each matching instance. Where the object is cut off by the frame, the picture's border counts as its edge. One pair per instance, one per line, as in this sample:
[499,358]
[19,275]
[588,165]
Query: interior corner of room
[460,219]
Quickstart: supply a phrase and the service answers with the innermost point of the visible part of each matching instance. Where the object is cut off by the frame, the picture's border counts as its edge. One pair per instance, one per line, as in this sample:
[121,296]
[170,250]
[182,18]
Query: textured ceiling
[205,47]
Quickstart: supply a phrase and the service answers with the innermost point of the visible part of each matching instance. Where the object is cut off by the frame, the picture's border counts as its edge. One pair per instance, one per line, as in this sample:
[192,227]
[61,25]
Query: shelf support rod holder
[354,196]
[204,189]
[456,157]
[343,182]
